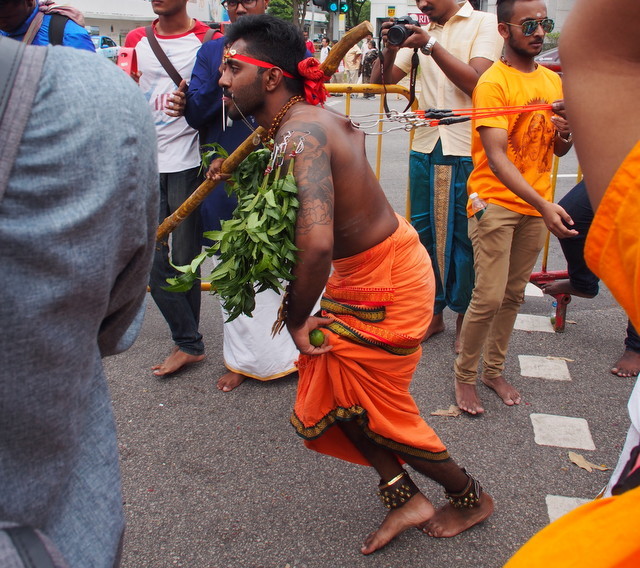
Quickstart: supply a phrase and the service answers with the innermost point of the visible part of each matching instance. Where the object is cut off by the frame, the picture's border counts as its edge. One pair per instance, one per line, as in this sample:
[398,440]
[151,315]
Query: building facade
[382,10]
[116,18]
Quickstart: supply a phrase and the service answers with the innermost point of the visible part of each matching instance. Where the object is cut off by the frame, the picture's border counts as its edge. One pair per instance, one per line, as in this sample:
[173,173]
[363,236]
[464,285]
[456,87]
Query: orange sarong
[381,303]
[613,244]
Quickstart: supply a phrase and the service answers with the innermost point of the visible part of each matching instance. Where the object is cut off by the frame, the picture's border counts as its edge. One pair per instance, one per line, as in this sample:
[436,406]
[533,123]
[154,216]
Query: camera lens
[397,34]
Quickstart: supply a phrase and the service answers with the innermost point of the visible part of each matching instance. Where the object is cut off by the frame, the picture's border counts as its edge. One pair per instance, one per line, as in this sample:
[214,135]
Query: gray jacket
[77,227]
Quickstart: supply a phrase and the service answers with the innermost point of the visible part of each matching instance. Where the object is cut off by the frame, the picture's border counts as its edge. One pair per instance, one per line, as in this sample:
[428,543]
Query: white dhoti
[249,348]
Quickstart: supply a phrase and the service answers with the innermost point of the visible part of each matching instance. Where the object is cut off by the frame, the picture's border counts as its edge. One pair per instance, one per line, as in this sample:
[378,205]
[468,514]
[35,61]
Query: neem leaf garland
[256,246]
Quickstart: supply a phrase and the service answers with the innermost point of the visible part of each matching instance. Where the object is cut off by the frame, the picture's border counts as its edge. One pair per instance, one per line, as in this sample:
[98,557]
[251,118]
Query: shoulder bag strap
[29,547]
[56,28]
[22,69]
[162,57]
[209,35]
[33,28]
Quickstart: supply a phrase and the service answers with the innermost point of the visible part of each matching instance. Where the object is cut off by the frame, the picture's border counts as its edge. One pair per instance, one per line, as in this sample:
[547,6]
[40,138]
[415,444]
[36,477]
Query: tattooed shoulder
[312,171]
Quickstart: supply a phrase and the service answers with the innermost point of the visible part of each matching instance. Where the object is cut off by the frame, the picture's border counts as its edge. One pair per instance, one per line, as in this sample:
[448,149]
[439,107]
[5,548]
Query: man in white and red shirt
[180,37]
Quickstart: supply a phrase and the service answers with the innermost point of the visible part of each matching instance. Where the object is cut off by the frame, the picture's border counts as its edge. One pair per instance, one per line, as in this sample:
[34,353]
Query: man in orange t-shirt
[512,157]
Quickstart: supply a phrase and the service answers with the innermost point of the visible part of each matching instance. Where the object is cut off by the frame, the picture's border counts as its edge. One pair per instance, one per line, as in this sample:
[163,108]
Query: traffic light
[334,6]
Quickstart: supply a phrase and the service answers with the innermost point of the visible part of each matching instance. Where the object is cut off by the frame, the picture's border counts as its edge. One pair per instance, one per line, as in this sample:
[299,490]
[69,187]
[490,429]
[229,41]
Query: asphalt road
[220,480]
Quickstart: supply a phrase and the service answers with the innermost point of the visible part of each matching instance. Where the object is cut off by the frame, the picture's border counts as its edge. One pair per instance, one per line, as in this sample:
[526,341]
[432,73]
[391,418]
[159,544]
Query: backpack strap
[162,56]
[10,56]
[29,547]
[56,28]
[20,70]
[209,35]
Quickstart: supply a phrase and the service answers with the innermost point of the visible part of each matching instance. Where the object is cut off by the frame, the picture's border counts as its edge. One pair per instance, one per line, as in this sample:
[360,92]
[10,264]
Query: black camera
[398,33]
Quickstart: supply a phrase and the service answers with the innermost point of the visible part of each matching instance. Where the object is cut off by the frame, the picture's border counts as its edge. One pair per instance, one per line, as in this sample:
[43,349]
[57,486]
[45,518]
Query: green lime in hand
[316,337]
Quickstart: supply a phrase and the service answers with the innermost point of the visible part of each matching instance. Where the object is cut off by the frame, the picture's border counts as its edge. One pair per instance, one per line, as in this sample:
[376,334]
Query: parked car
[106,46]
[550,59]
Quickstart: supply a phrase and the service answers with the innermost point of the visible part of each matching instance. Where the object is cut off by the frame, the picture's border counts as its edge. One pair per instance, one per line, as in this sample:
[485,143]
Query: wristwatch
[427,49]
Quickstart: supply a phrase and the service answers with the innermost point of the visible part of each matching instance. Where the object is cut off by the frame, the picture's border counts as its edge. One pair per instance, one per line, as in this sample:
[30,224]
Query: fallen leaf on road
[452,411]
[580,461]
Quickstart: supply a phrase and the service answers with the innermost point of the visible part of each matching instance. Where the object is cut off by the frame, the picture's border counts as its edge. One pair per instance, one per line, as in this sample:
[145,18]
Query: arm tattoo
[312,171]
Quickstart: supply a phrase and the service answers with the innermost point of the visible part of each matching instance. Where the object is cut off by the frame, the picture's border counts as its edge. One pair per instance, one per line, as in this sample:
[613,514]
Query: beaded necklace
[275,124]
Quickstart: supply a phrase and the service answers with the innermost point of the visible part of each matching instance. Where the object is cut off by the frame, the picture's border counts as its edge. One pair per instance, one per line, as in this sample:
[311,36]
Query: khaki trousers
[505,249]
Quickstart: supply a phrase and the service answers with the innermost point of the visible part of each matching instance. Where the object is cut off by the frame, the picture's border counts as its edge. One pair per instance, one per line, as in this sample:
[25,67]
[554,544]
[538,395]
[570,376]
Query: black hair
[504,10]
[272,40]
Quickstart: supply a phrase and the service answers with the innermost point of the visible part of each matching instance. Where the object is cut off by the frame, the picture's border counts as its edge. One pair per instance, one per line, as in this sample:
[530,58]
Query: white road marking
[527,322]
[544,368]
[557,506]
[562,431]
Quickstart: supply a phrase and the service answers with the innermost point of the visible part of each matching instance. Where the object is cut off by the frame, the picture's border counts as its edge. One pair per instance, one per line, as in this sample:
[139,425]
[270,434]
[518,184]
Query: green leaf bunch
[256,246]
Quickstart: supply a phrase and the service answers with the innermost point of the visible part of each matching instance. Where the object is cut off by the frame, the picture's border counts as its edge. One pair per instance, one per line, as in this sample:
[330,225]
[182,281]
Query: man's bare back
[334,151]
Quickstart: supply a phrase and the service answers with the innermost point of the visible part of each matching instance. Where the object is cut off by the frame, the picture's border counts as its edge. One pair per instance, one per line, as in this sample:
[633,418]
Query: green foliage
[256,246]
[358,12]
[551,40]
[282,9]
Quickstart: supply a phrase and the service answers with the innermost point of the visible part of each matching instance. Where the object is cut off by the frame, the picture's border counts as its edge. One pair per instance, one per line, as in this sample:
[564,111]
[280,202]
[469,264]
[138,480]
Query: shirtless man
[345,221]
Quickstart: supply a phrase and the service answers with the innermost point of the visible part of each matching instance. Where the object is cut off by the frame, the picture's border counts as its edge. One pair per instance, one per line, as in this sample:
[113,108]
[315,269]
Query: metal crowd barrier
[539,279]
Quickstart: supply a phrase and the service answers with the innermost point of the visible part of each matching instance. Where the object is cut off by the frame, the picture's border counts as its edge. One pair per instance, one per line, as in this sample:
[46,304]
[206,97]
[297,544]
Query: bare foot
[436,326]
[467,398]
[458,344]
[563,287]
[628,365]
[230,380]
[449,521]
[414,513]
[175,361]
[503,389]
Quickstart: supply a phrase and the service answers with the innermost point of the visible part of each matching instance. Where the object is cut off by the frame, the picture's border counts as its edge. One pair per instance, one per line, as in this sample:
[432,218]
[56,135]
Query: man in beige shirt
[454,49]
[352,60]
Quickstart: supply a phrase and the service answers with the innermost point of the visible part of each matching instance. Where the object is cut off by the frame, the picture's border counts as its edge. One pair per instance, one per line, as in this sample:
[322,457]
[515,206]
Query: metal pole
[312,31]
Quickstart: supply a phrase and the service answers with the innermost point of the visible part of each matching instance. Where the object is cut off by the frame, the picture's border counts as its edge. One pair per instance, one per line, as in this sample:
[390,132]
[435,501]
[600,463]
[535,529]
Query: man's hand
[419,38]
[214,173]
[560,121]
[553,216]
[176,101]
[300,336]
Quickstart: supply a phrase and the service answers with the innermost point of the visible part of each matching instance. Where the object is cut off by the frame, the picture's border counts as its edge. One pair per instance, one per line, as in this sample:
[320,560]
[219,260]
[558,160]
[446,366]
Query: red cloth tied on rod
[314,78]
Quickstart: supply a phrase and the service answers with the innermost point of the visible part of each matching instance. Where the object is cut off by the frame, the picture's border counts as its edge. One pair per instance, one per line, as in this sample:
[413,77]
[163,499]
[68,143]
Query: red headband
[312,75]
[231,54]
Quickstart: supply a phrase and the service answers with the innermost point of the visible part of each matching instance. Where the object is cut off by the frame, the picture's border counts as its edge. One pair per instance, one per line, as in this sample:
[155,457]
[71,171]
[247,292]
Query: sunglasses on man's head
[530,26]
[234,3]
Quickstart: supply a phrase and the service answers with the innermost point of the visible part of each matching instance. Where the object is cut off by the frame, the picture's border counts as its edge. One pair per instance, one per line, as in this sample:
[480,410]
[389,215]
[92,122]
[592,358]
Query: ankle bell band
[398,491]
[468,498]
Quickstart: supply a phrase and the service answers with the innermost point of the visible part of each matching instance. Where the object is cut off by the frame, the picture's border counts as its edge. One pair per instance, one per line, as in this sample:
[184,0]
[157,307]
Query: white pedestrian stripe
[544,368]
[557,506]
[562,431]
[533,290]
[527,322]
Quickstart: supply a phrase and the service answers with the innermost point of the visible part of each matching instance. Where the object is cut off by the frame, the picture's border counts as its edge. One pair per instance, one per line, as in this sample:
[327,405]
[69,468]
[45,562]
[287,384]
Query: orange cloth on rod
[381,301]
[613,244]
[603,533]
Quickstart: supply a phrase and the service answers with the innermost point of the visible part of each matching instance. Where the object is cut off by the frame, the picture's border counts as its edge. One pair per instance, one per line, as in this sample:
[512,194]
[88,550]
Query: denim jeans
[577,204]
[181,310]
